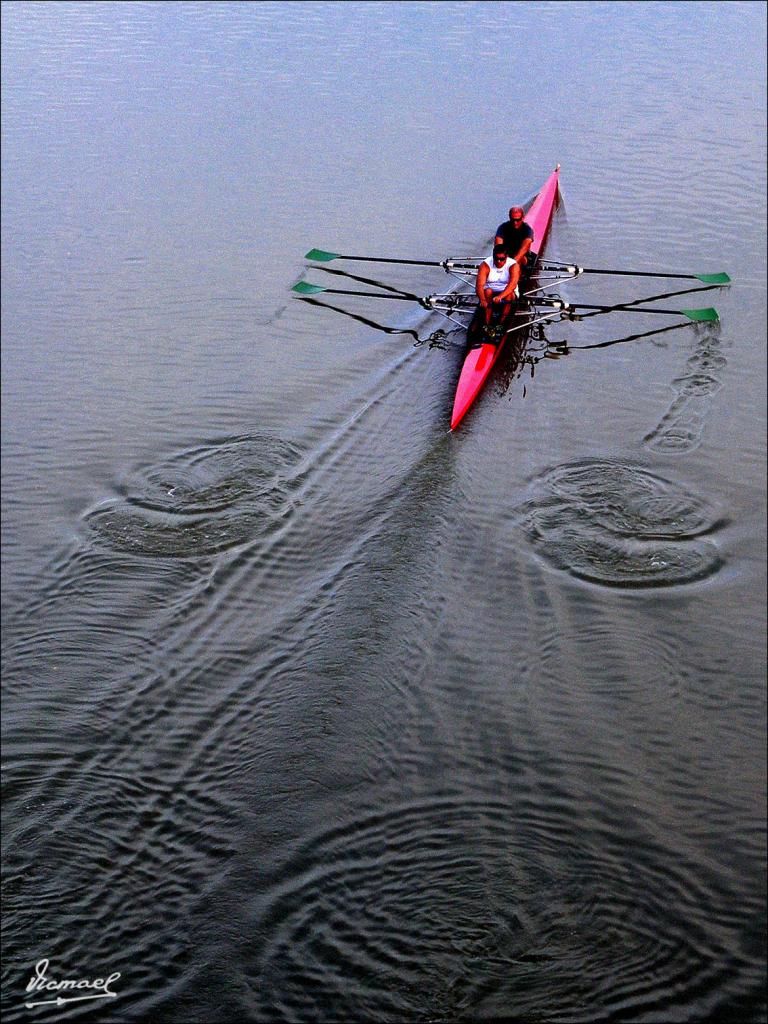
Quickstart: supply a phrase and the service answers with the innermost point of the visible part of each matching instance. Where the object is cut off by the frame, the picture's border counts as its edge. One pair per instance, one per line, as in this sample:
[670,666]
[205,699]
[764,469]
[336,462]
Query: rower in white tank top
[496,284]
[498,274]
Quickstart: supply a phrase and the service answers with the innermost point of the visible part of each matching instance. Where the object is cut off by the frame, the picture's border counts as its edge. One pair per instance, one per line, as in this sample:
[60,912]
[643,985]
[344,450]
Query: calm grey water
[312,710]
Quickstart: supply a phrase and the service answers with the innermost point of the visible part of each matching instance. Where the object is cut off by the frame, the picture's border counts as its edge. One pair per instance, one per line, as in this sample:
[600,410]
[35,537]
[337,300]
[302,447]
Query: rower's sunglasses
[516,220]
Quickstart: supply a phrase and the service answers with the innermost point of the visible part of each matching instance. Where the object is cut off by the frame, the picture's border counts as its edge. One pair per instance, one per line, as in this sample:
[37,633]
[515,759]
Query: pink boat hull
[480,361]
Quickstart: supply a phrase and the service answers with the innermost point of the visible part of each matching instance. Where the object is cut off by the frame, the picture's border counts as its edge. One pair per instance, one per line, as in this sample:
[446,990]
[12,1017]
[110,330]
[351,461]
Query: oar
[305,288]
[620,306]
[721,278]
[363,319]
[629,337]
[321,256]
[363,280]
[699,315]
[708,314]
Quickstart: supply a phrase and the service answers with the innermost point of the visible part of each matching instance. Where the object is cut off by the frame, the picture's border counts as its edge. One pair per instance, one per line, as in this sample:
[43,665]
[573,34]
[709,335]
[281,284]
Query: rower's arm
[482,277]
[509,292]
[522,252]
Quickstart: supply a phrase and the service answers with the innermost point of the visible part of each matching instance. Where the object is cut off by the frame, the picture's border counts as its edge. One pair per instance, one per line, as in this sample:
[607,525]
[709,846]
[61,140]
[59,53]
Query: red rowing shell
[479,361]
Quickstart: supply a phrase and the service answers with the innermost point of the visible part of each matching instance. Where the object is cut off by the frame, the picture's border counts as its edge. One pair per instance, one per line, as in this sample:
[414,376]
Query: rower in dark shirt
[516,236]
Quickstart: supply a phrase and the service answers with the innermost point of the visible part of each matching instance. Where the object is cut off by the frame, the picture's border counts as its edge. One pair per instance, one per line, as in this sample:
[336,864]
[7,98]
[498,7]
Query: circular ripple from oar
[620,525]
[199,502]
[437,910]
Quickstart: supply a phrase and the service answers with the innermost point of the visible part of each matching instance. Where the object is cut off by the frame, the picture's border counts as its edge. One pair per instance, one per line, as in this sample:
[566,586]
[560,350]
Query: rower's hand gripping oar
[566,268]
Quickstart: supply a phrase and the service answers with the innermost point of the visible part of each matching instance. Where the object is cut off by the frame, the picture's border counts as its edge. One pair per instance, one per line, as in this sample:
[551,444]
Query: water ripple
[407,909]
[620,525]
[199,502]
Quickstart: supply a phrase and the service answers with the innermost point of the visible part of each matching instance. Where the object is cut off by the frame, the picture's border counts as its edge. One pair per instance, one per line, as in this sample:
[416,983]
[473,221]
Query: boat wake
[682,426]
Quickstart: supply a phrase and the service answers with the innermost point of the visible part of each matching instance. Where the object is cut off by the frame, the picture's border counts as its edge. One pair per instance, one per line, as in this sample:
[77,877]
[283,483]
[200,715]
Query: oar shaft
[317,290]
[321,256]
[628,308]
[370,295]
[376,259]
[715,279]
[637,273]
[701,315]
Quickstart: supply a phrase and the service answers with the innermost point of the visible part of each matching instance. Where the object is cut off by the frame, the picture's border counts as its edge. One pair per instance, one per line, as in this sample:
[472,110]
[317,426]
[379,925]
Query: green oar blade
[714,278]
[321,255]
[305,288]
[701,315]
